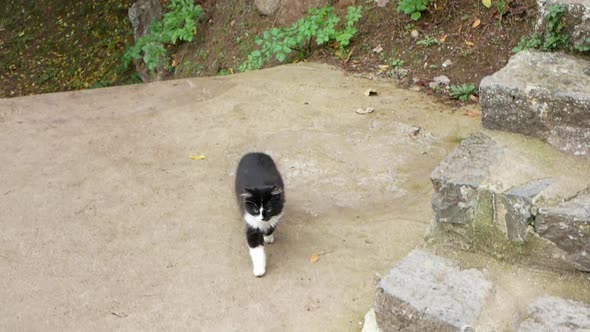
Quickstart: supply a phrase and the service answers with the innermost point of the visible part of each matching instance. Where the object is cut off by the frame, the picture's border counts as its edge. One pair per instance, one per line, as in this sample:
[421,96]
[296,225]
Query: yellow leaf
[198,157]
[476,23]
[314,258]
[469,43]
[443,38]
[487,3]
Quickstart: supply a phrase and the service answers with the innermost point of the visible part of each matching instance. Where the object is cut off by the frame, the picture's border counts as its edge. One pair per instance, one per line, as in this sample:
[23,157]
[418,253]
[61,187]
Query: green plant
[553,37]
[177,24]
[319,24]
[462,92]
[501,7]
[396,63]
[585,47]
[414,8]
[428,41]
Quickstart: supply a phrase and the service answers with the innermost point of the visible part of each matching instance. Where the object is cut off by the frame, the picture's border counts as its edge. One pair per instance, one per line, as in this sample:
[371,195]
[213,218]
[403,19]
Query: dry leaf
[469,43]
[471,114]
[314,258]
[476,23]
[378,49]
[487,3]
[443,38]
[198,157]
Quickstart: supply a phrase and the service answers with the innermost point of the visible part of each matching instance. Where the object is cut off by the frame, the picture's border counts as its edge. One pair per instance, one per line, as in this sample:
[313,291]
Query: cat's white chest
[257,222]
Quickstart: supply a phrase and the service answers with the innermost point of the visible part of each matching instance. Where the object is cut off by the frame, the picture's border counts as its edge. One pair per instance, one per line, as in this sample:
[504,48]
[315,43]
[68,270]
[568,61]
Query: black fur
[258,182]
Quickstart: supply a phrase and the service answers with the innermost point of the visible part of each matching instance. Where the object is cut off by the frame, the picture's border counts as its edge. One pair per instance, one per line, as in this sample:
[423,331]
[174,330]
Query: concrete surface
[108,224]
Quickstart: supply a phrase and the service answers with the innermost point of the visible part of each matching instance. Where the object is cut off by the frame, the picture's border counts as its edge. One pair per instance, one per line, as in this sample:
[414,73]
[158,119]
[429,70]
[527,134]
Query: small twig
[277,16]
[349,55]
[325,252]
[119,314]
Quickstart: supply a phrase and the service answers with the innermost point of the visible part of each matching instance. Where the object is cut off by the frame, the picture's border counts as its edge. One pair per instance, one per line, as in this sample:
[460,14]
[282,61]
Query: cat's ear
[247,193]
[276,190]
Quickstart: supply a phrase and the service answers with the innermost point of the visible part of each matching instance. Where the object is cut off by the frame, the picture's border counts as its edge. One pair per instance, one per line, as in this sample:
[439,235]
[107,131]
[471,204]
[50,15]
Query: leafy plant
[397,63]
[177,24]
[462,92]
[526,43]
[553,38]
[501,7]
[585,47]
[428,41]
[414,8]
[319,24]
[554,35]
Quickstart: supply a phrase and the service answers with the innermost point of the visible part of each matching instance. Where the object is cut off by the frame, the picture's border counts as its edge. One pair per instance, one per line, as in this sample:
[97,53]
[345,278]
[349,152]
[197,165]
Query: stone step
[576,19]
[543,95]
[426,292]
[514,196]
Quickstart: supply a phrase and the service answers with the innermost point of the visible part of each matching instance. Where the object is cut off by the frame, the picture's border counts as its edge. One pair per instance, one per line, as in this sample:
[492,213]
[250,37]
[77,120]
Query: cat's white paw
[269,239]
[259,271]
[258,261]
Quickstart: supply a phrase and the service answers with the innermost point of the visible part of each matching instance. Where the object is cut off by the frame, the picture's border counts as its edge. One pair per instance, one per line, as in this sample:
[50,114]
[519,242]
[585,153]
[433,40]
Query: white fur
[269,239]
[258,223]
[258,261]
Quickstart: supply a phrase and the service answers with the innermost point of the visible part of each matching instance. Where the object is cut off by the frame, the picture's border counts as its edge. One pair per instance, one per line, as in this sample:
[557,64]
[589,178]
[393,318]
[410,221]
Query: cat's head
[263,202]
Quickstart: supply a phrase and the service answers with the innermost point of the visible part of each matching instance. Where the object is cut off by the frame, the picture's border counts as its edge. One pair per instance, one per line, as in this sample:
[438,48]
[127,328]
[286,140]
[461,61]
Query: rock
[551,313]
[399,73]
[381,3]
[415,34]
[544,95]
[267,7]
[458,178]
[492,188]
[568,226]
[439,81]
[370,324]
[576,19]
[573,140]
[518,206]
[447,63]
[141,14]
[429,293]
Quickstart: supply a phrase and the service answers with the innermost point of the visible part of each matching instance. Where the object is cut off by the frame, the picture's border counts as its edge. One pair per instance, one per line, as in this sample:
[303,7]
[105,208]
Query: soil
[474,42]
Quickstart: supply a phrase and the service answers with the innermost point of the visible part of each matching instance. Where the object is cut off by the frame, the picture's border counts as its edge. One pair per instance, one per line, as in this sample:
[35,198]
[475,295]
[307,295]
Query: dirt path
[108,224]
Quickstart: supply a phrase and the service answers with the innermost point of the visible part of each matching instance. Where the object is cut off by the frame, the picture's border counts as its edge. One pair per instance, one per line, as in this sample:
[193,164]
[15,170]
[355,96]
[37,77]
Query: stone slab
[541,95]
[425,292]
[511,182]
[568,226]
[554,314]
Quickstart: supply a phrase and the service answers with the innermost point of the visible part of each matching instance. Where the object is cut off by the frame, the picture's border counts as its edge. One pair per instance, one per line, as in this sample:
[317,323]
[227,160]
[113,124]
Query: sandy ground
[106,223]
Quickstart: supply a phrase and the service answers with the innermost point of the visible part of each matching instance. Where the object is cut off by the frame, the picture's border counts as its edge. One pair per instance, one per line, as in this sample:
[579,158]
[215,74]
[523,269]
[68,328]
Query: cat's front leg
[269,236]
[256,245]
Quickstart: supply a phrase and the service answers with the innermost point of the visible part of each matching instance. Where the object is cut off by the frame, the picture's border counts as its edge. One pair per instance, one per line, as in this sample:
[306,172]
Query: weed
[396,63]
[552,39]
[585,47]
[319,24]
[462,92]
[176,24]
[428,41]
[501,7]
[414,8]
[409,27]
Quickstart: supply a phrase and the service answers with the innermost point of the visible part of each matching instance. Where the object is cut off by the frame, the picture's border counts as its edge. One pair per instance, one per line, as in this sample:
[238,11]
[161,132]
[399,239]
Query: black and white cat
[261,196]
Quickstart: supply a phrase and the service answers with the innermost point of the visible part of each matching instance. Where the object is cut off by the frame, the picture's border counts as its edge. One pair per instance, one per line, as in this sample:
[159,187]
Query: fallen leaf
[314,258]
[365,111]
[487,3]
[469,43]
[198,157]
[476,23]
[471,114]
[378,49]
[443,38]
